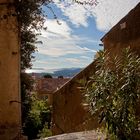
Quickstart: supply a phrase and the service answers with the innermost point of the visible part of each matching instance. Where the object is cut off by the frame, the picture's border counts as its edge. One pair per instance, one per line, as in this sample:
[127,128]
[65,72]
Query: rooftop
[50,84]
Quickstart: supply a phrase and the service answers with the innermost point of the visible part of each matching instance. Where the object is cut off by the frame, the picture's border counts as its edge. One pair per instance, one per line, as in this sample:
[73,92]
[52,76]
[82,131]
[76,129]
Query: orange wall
[9,76]
[69,114]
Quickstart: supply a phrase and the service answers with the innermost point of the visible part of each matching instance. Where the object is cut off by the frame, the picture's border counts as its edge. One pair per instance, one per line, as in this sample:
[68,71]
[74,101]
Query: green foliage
[61,76]
[31,17]
[38,114]
[35,112]
[113,92]
[26,88]
[45,132]
[47,76]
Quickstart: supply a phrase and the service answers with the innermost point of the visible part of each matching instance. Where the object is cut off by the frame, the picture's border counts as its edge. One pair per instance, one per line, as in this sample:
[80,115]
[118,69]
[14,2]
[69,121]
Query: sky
[73,39]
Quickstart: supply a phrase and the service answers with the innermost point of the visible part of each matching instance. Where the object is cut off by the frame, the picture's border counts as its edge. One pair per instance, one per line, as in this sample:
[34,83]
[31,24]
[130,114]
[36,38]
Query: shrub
[113,92]
[39,114]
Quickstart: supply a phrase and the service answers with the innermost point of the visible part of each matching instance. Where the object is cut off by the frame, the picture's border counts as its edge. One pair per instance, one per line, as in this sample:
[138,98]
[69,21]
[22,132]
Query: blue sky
[74,42]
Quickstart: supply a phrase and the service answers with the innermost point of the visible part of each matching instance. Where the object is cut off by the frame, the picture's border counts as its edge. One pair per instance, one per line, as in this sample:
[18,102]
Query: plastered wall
[9,74]
[69,114]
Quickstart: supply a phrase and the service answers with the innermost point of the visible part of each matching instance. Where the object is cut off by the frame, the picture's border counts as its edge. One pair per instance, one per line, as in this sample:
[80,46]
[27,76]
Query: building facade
[45,87]
[10,109]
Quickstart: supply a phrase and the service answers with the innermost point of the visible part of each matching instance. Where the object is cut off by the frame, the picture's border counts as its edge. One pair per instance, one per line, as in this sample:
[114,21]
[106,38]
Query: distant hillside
[65,72]
[69,72]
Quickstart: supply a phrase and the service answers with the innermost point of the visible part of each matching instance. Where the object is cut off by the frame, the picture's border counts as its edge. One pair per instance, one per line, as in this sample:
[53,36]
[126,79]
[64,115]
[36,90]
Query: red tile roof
[50,84]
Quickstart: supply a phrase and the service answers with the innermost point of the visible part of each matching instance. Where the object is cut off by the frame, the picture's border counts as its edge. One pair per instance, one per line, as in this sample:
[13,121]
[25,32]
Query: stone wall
[10,118]
[69,115]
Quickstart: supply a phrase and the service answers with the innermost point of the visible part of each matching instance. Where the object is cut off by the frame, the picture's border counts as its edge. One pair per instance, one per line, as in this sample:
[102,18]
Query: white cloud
[54,29]
[107,13]
[59,41]
[55,63]
[85,57]
[73,60]
[42,62]
[89,50]
[61,48]
[77,14]
[82,60]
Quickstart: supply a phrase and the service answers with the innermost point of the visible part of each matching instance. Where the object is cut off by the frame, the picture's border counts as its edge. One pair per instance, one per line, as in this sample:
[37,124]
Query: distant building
[45,87]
